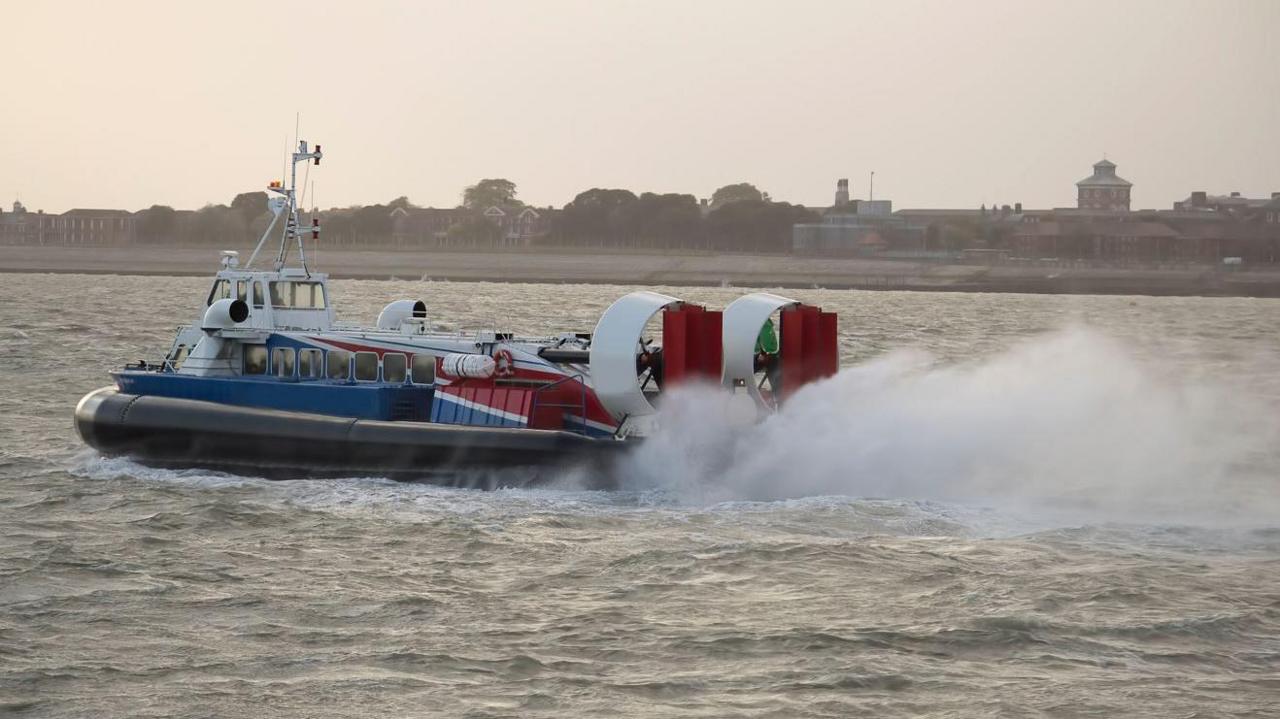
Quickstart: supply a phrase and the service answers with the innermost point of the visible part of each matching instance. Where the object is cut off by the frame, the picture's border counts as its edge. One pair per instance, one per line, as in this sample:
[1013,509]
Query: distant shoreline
[674,269]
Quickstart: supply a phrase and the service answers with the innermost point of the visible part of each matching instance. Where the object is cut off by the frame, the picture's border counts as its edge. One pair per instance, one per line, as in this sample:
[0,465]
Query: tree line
[737,217]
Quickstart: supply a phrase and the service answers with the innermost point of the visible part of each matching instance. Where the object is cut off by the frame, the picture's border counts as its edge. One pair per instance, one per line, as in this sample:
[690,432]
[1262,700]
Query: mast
[284,201]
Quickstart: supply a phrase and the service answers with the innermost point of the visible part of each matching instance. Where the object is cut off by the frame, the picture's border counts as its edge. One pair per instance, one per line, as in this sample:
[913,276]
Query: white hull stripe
[486,409]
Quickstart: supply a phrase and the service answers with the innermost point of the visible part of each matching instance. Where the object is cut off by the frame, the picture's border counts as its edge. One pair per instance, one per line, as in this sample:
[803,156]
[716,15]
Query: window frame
[355,366]
[214,296]
[244,360]
[404,371]
[275,288]
[292,362]
[316,362]
[328,365]
[430,361]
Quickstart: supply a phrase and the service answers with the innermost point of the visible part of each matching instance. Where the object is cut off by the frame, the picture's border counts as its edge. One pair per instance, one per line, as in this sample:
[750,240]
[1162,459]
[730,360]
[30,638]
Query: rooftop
[1104,175]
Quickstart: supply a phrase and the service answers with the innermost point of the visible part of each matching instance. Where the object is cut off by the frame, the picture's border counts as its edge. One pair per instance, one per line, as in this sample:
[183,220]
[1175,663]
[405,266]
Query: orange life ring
[506,364]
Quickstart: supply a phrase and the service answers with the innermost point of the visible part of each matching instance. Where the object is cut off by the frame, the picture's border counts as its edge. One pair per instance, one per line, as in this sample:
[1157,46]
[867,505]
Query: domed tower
[1104,190]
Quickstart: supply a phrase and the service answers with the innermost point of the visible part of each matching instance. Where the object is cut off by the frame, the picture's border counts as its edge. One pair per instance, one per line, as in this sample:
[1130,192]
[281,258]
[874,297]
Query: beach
[673,268]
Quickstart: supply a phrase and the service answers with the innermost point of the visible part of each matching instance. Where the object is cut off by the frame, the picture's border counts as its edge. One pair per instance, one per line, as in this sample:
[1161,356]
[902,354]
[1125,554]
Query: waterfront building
[21,227]
[96,227]
[852,227]
[1103,190]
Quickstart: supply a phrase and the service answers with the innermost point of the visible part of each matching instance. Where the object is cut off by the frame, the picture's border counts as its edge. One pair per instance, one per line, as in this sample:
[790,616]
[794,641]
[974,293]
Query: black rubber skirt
[170,432]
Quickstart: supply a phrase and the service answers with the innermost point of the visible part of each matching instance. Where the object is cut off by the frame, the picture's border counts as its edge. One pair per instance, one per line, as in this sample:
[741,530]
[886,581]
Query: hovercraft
[266,383]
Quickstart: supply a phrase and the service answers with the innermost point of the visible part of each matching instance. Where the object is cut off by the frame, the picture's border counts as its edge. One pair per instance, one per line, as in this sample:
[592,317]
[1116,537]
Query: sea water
[1004,505]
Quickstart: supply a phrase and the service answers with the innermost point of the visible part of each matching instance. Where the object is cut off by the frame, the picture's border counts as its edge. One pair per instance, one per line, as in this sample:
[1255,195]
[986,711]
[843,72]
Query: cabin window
[367,366]
[424,369]
[339,364]
[255,359]
[309,295]
[221,291]
[242,290]
[310,364]
[302,295]
[394,367]
[299,295]
[282,361]
[179,356]
[257,294]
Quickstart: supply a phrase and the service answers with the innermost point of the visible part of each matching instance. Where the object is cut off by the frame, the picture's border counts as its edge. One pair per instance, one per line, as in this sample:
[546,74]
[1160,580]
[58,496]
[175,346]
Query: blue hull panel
[341,399]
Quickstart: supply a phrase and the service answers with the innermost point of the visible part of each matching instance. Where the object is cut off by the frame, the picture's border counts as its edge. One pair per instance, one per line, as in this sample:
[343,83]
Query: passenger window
[282,361]
[424,369]
[309,364]
[257,294]
[394,367]
[221,291]
[339,364]
[367,366]
[241,290]
[255,359]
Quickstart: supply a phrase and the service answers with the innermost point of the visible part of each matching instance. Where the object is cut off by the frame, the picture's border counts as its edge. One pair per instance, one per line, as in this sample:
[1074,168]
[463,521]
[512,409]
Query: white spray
[1071,419]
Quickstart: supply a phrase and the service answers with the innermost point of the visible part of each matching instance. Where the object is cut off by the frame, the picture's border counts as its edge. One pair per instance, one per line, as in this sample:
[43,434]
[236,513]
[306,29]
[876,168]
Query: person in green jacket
[767,342]
[767,355]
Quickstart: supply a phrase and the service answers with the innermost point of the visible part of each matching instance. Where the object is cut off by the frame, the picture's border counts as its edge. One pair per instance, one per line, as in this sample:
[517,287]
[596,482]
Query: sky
[952,105]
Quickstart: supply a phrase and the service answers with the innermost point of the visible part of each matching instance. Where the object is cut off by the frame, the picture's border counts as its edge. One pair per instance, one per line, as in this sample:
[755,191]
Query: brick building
[1103,190]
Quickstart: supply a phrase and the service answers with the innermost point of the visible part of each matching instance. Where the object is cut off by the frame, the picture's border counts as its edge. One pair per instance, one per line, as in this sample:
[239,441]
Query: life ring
[505,363]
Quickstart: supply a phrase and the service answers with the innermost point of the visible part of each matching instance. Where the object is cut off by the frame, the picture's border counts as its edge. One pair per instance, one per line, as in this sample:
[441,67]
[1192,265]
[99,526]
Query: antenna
[871,191]
[315,212]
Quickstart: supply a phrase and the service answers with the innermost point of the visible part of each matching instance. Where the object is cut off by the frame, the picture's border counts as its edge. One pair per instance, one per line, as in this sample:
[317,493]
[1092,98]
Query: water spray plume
[1071,420]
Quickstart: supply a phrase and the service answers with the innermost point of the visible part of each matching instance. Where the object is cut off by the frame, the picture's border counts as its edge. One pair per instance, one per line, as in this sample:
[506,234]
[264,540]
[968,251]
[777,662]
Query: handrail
[582,404]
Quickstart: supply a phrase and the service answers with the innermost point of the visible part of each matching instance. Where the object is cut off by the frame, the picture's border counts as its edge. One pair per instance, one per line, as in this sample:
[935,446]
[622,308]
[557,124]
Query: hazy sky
[952,104]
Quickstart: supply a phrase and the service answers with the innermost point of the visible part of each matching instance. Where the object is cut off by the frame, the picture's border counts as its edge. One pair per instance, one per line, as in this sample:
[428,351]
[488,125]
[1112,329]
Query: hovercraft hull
[173,432]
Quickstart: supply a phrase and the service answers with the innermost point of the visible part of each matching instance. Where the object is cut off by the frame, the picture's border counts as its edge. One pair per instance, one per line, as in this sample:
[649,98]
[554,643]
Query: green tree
[250,206]
[598,217]
[156,224]
[215,225]
[490,193]
[371,223]
[741,192]
[402,203]
[757,226]
[667,220]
